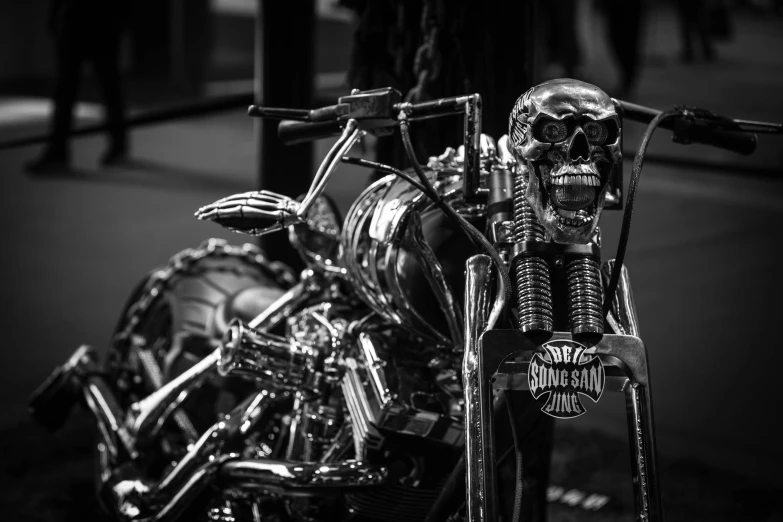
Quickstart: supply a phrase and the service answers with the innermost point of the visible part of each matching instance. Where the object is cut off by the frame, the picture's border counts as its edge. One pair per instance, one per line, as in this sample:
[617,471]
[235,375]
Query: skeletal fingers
[253,213]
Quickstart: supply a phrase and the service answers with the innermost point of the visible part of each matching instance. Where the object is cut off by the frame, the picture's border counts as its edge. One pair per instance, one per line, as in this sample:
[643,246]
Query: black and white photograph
[391,260]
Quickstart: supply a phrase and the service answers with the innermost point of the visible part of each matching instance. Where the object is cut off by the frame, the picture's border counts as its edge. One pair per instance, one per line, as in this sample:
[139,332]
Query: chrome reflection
[477,280]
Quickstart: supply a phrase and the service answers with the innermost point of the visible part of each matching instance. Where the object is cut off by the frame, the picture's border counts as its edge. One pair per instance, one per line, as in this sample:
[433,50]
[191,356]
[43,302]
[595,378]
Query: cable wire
[361,162]
[625,229]
[472,232]
[515,436]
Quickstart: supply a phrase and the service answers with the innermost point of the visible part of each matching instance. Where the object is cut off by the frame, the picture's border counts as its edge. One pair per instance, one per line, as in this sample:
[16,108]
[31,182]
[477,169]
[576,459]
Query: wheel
[181,317]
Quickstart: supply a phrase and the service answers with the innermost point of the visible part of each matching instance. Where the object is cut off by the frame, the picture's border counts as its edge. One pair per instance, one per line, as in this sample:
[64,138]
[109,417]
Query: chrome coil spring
[534,288]
[526,224]
[585,296]
[534,296]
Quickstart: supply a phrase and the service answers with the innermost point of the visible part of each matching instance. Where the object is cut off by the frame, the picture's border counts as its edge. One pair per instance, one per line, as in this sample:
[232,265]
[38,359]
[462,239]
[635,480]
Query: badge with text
[563,369]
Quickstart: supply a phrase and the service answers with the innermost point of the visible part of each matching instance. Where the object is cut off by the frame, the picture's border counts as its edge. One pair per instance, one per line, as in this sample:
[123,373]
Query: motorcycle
[374,385]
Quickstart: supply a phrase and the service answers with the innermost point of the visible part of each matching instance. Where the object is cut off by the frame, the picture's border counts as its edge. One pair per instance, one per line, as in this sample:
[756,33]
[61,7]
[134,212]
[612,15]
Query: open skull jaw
[568,195]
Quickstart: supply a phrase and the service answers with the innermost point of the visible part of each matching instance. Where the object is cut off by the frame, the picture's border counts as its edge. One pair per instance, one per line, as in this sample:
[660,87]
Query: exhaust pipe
[312,478]
[127,494]
[214,457]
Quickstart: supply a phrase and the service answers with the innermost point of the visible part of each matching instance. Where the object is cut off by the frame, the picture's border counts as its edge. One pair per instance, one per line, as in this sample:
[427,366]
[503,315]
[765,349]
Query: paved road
[703,255]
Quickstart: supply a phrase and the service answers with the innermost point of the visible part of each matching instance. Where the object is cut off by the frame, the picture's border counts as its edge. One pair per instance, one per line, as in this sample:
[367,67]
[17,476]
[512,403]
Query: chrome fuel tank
[386,271]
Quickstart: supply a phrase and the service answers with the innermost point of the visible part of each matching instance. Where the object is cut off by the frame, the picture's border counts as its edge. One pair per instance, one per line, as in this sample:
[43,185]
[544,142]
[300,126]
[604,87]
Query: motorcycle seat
[248,303]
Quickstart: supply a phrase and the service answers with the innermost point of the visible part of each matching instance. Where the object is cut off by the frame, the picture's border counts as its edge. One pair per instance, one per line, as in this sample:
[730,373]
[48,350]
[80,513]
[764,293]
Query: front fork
[499,360]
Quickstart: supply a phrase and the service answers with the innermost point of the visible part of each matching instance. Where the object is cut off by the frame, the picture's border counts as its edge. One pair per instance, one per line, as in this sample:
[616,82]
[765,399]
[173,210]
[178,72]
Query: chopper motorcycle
[369,387]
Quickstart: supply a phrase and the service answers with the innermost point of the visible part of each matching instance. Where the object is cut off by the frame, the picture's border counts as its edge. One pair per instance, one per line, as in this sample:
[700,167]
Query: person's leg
[686,19]
[702,28]
[68,58]
[624,24]
[105,60]
[569,46]
[633,13]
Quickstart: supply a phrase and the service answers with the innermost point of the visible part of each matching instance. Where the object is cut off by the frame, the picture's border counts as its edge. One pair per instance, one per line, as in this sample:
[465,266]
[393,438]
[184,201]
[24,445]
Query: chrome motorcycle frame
[491,357]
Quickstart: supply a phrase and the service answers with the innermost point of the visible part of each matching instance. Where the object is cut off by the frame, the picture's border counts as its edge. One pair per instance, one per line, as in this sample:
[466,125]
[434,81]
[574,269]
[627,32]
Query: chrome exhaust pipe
[478,431]
[148,415]
[312,478]
[213,457]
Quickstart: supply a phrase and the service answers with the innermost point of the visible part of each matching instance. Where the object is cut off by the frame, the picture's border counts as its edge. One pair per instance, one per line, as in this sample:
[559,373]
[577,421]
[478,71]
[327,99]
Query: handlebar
[292,132]
[377,110]
[697,126]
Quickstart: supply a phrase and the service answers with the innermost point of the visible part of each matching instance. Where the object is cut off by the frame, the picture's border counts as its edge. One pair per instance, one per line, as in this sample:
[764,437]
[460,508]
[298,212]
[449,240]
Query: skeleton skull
[567,135]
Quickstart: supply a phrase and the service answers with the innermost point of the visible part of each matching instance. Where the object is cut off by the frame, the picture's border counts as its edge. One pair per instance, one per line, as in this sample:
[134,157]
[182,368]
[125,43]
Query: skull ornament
[566,136]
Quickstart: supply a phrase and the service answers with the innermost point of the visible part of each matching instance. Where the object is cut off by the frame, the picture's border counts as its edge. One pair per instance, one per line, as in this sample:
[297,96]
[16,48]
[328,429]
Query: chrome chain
[184,261]
[428,62]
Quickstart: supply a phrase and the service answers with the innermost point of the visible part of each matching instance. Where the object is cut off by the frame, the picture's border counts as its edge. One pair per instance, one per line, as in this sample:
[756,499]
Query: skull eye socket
[596,132]
[551,131]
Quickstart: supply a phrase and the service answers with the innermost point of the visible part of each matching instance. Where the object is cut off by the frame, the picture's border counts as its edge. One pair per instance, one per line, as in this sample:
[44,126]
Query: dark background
[704,255]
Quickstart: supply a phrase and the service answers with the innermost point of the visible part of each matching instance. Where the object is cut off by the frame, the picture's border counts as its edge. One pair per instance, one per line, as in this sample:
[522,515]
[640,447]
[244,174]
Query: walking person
[695,27]
[625,24]
[85,31]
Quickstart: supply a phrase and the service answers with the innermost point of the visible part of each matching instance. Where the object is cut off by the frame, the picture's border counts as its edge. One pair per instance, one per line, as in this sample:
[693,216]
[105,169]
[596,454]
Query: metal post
[284,77]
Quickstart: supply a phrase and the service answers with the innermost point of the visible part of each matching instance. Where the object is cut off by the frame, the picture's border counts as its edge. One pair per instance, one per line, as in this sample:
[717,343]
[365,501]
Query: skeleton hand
[254,213]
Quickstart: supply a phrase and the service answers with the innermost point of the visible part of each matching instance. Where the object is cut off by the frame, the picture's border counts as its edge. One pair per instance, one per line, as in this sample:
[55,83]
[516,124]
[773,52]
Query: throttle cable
[471,231]
[625,229]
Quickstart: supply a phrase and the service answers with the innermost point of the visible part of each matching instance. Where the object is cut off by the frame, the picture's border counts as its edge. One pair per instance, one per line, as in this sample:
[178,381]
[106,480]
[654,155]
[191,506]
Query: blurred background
[703,255]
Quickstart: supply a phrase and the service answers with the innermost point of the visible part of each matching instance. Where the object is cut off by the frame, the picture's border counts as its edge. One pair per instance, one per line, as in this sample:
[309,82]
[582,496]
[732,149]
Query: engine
[365,390]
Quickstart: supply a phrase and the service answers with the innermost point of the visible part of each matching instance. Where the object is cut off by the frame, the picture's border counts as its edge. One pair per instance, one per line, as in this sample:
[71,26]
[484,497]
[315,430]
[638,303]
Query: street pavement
[703,256]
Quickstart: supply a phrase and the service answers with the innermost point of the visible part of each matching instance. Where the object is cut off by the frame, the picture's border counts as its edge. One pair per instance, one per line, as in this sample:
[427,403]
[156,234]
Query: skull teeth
[576,218]
[590,180]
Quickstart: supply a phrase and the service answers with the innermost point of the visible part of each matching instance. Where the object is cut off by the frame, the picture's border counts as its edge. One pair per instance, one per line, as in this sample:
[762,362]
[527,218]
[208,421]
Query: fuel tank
[387,269]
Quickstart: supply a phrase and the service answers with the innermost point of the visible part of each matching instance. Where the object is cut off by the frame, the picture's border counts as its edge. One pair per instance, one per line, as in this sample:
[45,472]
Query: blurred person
[625,20]
[694,20]
[562,35]
[85,31]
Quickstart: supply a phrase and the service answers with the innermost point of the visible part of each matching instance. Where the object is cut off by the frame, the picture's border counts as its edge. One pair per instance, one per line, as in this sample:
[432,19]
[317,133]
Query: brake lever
[262,212]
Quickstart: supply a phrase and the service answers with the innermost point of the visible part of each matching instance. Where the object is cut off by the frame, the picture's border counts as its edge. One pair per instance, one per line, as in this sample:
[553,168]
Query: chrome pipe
[415,242]
[147,415]
[108,414]
[480,506]
[268,358]
[622,314]
[351,134]
[472,142]
[132,497]
[303,477]
[643,453]
[199,466]
[298,447]
[154,375]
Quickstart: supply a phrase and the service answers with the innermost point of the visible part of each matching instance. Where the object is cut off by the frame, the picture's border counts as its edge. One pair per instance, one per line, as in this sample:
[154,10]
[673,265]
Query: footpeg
[52,402]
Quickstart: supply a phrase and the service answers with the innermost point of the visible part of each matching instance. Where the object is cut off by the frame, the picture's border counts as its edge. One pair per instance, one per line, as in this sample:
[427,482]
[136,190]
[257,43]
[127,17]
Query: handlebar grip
[686,131]
[739,142]
[292,132]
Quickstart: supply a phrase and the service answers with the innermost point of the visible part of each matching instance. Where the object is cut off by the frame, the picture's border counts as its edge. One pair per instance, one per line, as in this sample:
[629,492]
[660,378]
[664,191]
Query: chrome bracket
[504,359]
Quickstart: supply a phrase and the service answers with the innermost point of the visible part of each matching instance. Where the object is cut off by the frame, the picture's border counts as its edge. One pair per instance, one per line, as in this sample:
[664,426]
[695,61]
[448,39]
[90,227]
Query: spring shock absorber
[534,288]
[585,296]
